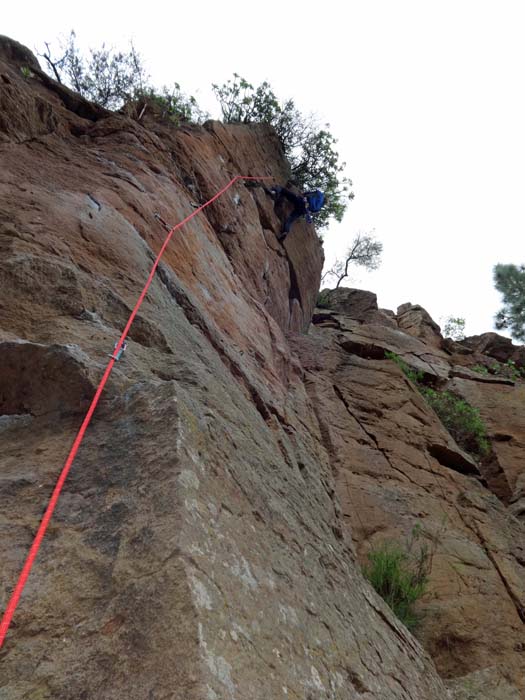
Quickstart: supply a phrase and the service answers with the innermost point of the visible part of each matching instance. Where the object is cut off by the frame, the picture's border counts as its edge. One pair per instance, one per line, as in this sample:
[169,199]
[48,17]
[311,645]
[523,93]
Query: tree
[171,105]
[364,251]
[53,64]
[117,79]
[309,148]
[510,282]
[109,78]
[454,328]
[315,164]
[241,102]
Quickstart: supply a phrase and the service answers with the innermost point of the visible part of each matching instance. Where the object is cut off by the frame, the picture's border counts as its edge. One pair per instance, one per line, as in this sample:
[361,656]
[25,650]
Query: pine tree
[510,282]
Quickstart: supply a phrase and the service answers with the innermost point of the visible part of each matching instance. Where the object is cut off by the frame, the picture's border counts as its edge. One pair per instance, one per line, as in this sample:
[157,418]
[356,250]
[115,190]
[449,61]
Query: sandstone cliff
[207,543]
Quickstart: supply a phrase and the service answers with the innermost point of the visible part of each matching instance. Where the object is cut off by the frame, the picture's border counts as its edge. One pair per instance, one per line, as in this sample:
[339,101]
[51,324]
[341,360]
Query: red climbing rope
[15,596]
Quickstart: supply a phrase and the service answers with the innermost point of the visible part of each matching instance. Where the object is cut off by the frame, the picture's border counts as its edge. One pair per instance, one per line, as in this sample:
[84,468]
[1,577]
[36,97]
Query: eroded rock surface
[208,542]
[198,550]
[396,467]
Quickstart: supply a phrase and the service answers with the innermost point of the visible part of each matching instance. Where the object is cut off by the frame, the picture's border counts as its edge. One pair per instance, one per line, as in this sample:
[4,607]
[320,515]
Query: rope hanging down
[119,348]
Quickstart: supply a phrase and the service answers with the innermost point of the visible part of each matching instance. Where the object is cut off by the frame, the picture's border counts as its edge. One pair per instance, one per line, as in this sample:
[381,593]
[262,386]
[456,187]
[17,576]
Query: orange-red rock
[208,539]
[196,551]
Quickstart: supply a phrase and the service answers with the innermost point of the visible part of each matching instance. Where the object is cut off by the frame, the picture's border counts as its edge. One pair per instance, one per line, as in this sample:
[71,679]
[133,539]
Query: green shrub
[119,80]
[309,148]
[480,369]
[400,577]
[461,420]
[509,369]
[414,375]
[514,372]
[172,105]
[454,328]
[322,299]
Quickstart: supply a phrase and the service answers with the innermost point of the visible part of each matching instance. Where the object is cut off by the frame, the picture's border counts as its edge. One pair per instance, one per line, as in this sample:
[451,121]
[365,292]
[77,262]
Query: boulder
[416,321]
[358,305]
[497,346]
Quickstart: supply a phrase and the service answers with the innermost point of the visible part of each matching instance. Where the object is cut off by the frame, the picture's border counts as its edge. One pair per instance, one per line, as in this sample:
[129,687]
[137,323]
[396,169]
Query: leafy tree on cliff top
[510,282]
[114,79]
[309,148]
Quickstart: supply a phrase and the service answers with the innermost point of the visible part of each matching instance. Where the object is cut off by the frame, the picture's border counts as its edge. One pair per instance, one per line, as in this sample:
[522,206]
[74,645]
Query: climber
[304,205]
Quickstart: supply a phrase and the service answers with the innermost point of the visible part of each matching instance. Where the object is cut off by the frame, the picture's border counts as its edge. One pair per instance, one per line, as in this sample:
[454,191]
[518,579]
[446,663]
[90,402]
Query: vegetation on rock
[118,79]
[400,576]
[364,251]
[510,282]
[461,419]
[308,147]
[507,369]
[454,328]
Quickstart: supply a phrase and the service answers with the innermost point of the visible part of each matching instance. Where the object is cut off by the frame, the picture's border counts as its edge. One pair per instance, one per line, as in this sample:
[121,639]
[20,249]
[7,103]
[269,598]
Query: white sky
[425,96]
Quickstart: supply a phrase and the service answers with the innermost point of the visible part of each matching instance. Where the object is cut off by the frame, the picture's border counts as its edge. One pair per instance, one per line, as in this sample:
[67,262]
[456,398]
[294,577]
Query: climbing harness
[119,349]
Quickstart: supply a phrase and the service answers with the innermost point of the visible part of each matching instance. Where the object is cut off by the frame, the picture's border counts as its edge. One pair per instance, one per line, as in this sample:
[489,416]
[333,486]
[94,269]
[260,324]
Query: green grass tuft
[400,578]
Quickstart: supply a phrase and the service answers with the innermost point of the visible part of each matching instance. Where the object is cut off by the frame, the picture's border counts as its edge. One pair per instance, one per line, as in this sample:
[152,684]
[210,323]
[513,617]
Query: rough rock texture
[502,409]
[359,304]
[198,551]
[488,684]
[395,466]
[496,346]
[416,321]
[241,463]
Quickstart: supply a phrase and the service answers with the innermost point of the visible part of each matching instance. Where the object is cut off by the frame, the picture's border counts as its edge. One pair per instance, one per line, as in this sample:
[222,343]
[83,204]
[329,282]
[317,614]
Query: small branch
[53,64]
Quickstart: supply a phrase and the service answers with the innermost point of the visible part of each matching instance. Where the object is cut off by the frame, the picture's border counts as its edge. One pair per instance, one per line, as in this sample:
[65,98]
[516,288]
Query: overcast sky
[425,97]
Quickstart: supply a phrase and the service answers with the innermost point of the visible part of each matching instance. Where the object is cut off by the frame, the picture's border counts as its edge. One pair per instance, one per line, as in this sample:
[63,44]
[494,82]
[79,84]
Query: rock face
[496,346]
[207,545]
[396,467]
[416,321]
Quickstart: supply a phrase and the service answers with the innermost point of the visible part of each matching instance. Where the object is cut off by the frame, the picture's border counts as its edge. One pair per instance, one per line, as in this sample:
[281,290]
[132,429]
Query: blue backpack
[315,201]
